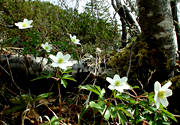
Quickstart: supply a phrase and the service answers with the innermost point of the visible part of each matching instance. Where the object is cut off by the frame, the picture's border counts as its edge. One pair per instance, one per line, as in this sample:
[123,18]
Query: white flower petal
[18,24]
[116,77]
[157,86]
[73,62]
[69,63]
[73,37]
[110,80]
[52,57]
[29,22]
[164,102]
[157,105]
[111,87]
[54,64]
[123,79]
[167,85]
[25,20]
[126,86]
[119,89]
[168,93]
[59,54]
[63,66]
[67,57]
[77,41]
[156,97]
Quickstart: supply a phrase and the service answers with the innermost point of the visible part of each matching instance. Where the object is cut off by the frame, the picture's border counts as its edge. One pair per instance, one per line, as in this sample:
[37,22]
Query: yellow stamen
[60,60]
[24,25]
[117,83]
[161,94]
[46,48]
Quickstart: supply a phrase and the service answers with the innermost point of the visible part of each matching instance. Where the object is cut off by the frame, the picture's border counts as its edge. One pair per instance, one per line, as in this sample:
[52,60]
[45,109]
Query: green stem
[58,74]
[60,102]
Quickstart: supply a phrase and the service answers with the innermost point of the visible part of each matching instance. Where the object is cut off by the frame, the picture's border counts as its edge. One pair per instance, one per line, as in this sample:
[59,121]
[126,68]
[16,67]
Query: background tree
[127,19]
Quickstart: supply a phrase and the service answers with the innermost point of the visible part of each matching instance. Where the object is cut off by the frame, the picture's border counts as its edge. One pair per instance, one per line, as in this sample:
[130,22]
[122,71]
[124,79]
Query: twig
[5,70]
[87,101]
[130,95]
[11,75]
[140,83]
[85,79]
[130,60]
[177,116]
[150,77]
[134,92]
[11,91]
[23,116]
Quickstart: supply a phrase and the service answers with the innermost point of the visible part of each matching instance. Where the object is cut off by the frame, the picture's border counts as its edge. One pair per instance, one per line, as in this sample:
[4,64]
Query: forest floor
[27,102]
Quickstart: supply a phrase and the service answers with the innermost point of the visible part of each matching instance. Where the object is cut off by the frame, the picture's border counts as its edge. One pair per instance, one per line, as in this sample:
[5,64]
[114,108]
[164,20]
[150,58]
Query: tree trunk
[126,18]
[118,7]
[156,22]
[176,21]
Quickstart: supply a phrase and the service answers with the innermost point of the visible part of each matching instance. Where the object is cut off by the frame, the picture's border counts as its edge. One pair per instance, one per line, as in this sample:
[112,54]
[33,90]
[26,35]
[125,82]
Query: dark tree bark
[156,22]
[125,18]
[119,9]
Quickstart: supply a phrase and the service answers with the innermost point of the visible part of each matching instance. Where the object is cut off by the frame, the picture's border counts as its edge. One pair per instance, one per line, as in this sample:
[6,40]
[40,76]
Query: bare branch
[114,6]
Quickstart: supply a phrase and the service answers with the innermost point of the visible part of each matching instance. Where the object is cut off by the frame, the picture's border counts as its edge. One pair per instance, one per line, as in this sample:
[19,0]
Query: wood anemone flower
[118,83]
[161,94]
[46,47]
[25,24]
[61,61]
[74,39]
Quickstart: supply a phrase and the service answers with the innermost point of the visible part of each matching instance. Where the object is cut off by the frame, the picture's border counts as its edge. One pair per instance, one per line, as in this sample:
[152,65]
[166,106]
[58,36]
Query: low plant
[126,107]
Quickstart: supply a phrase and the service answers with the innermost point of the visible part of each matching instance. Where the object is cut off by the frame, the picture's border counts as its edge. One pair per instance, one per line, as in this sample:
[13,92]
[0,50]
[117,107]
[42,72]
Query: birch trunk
[156,22]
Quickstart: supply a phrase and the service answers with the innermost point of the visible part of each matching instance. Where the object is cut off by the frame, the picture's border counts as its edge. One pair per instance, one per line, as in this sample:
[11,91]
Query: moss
[175,82]
[175,87]
[146,63]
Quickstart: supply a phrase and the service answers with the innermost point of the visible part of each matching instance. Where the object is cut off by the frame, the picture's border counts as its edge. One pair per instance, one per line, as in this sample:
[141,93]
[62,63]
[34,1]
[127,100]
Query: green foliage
[128,109]
[96,89]
[22,101]
[54,24]
[32,45]
[53,121]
